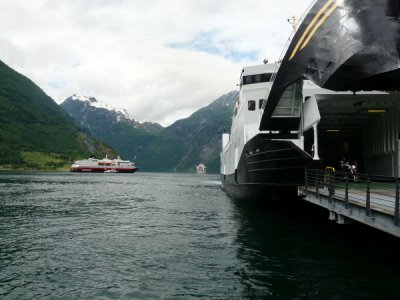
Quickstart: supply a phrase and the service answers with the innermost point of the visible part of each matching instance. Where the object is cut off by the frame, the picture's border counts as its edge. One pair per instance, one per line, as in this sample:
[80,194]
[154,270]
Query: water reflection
[291,251]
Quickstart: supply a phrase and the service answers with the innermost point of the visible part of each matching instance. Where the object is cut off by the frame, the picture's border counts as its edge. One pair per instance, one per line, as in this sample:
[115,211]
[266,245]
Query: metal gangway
[369,199]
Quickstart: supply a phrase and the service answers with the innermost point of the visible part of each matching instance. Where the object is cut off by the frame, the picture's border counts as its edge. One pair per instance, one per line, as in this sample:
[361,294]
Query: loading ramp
[368,199]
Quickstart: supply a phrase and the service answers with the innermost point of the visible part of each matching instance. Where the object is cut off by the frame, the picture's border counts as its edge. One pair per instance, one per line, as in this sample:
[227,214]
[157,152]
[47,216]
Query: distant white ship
[106,165]
[201,169]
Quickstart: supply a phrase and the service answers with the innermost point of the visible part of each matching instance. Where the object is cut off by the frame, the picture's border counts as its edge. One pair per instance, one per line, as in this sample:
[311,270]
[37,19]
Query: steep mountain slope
[112,125]
[190,141]
[30,122]
[177,148]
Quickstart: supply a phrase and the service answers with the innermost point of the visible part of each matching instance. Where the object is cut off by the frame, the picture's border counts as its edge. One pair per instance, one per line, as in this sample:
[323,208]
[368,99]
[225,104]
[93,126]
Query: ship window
[260,103]
[247,80]
[250,79]
[251,105]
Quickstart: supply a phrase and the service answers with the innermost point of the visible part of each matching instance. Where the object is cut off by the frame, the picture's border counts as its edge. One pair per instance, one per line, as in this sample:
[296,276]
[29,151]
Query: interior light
[333,130]
[376,110]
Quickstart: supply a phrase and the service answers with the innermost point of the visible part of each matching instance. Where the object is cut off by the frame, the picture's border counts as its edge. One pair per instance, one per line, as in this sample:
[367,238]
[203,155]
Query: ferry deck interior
[361,128]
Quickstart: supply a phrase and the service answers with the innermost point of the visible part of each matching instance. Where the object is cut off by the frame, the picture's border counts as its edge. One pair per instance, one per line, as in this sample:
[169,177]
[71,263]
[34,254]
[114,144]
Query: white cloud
[142,55]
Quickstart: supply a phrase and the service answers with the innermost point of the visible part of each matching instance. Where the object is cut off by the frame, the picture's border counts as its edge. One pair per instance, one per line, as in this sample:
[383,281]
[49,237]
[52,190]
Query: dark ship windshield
[257,78]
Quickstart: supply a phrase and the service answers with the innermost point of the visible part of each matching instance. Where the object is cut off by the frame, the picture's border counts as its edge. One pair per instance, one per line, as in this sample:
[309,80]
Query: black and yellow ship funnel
[342,45]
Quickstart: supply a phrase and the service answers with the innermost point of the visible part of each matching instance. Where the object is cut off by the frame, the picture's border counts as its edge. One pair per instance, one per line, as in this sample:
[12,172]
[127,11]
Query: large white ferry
[258,162]
[106,165]
[320,100]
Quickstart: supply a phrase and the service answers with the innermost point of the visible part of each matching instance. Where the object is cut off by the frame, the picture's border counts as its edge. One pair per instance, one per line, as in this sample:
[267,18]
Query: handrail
[376,193]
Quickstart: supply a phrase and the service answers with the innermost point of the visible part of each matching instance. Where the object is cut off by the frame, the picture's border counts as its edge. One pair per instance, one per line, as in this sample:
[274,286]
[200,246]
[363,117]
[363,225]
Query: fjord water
[171,236]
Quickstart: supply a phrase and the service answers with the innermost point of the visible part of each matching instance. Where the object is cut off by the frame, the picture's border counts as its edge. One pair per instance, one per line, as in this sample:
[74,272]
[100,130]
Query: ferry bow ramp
[342,46]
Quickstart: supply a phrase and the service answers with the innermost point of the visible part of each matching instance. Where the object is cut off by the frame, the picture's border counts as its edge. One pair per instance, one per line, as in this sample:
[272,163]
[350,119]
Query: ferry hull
[258,191]
[268,169]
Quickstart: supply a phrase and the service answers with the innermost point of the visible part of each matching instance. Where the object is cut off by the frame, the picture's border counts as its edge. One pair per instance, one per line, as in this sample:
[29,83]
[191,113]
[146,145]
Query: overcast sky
[160,60]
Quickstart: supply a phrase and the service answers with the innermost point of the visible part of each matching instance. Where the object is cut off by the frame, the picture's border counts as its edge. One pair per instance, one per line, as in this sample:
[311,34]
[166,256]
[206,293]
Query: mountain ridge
[176,148]
[89,102]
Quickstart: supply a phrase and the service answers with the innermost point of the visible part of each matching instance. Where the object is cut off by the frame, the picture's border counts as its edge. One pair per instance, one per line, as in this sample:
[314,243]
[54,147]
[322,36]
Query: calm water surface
[168,236]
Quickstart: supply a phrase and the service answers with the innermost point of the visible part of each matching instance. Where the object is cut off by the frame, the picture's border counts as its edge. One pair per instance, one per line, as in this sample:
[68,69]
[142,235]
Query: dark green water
[167,236]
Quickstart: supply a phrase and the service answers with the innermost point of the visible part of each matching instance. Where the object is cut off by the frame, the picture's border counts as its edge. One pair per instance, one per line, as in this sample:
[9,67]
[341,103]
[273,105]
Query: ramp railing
[373,192]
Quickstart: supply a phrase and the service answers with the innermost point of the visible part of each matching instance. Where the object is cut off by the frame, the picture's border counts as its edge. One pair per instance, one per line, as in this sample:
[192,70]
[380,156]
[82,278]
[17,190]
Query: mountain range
[34,131]
[176,148]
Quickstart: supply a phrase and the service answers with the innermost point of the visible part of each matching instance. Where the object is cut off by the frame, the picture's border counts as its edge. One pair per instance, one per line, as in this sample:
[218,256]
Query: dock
[368,199]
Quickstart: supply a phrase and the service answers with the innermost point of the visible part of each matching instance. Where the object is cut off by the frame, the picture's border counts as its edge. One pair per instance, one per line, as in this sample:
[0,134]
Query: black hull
[258,192]
[268,169]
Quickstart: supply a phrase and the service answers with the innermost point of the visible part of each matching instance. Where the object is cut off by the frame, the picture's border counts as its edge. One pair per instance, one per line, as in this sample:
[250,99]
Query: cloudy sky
[161,60]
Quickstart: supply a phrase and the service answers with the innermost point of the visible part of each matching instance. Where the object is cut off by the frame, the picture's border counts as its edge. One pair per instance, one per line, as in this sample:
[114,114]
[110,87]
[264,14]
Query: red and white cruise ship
[106,165]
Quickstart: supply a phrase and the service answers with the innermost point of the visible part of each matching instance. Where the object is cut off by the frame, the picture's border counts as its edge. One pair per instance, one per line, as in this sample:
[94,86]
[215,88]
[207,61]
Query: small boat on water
[105,165]
[201,169]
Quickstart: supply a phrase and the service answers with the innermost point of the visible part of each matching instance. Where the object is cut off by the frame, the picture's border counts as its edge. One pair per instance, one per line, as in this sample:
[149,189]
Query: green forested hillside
[177,148]
[31,122]
[188,142]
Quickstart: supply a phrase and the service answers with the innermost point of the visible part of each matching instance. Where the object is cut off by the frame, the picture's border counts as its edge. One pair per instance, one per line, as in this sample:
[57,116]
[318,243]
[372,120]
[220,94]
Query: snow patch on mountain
[122,114]
[83,107]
